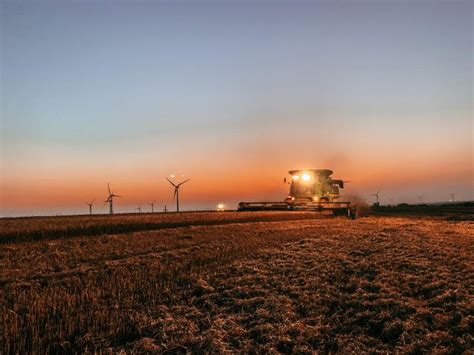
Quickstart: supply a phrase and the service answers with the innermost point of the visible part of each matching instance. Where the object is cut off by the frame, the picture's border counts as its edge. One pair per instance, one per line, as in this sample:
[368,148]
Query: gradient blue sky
[232,94]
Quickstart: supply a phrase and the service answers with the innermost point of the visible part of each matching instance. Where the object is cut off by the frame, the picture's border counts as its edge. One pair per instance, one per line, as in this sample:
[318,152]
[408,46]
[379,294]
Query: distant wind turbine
[176,191]
[376,196]
[420,197]
[139,209]
[452,197]
[90,205]
[110,199]
[152,205]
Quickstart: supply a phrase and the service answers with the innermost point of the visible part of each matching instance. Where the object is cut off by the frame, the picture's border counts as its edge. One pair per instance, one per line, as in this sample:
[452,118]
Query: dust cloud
[363,208]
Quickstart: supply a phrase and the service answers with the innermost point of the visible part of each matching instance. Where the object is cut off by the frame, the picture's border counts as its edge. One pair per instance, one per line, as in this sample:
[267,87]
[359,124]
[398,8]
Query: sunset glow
[232,96]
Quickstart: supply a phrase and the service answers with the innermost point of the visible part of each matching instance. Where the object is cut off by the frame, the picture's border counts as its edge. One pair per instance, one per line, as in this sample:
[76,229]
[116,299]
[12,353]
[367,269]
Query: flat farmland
[256,282]
[38,228]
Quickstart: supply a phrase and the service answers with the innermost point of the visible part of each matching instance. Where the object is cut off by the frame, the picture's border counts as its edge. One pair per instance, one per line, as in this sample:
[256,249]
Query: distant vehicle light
[296,177]
[220,207]
[315,198]
[306,177]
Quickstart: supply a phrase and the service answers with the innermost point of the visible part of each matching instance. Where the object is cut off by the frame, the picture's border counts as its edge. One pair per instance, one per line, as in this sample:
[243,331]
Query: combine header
[310,190]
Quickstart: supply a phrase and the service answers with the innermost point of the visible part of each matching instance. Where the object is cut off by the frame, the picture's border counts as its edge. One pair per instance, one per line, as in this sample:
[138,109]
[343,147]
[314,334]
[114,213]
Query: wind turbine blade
[175,192]
[171,182]
[108,188]
[181,183]
[116,195]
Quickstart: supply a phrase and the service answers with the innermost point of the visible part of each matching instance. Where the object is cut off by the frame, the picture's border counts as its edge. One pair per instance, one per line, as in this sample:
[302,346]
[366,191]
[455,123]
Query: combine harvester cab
[310,190]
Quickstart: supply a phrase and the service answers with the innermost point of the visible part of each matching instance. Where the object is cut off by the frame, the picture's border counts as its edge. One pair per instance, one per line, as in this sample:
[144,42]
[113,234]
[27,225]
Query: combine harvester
[310,190]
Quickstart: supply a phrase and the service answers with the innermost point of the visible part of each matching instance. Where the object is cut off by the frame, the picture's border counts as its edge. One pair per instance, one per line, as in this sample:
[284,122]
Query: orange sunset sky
[232,96]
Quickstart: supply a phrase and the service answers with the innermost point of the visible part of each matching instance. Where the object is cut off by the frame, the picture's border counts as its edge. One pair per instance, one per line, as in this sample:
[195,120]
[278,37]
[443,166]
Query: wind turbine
[376,197]
[176,191]
[420,197]
[90,205]
[139,209]
[152,205]
[452,197]
[110,199]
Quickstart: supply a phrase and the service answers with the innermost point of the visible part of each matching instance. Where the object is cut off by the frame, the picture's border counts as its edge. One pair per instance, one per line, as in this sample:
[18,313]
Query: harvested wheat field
[298,285]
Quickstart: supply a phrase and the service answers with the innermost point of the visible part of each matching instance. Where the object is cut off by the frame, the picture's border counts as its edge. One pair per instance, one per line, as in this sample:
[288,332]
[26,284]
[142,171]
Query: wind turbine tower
[90,206]
[152,205]
[176,191]
[110,199]
[376,197]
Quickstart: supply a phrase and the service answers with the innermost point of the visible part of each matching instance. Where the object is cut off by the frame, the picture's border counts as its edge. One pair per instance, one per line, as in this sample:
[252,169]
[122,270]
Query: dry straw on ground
[326,285]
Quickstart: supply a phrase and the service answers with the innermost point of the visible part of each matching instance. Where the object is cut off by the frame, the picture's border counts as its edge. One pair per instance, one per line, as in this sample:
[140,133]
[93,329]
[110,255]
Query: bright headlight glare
[306,177]
[296,177]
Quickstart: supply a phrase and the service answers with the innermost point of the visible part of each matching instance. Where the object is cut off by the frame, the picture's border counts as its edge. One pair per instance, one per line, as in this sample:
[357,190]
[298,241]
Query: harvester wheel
[352,213]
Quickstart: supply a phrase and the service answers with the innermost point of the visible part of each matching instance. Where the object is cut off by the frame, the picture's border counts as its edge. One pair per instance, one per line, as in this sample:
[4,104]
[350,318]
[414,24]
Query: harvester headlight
[315,198]
[306,177]
[296,177]
[220,207]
